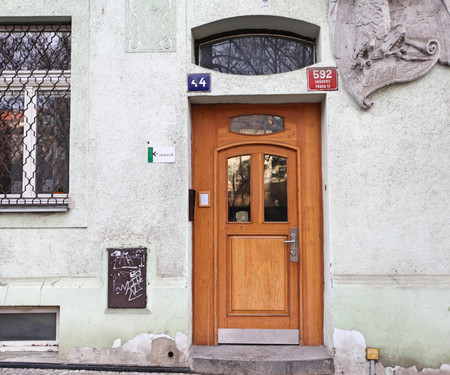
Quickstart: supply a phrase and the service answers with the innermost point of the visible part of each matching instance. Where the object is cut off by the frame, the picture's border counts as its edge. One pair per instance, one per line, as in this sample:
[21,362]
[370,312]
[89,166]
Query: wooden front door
[257,253]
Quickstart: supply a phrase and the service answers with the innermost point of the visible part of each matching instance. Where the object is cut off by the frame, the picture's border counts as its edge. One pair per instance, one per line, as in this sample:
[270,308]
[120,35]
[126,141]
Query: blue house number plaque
[199,82]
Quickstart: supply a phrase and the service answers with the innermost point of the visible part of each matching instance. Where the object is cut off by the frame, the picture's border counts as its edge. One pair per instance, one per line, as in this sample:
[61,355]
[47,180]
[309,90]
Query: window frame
[32,345]
[30,81]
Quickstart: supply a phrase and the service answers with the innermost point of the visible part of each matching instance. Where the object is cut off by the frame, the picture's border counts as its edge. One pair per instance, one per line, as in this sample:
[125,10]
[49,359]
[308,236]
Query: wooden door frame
[310,216]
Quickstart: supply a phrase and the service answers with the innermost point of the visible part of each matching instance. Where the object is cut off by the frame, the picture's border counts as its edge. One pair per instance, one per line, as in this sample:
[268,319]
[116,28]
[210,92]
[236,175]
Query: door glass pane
[239,188]
[275,188]
[256,124]
[11,141]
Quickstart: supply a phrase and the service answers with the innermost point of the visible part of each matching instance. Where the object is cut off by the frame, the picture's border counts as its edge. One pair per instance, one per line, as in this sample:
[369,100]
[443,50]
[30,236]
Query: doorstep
[262,360]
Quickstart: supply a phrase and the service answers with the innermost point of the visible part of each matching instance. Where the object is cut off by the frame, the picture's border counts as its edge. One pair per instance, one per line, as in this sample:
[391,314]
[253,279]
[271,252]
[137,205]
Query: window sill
[32,347]
[34,208]
[42,203]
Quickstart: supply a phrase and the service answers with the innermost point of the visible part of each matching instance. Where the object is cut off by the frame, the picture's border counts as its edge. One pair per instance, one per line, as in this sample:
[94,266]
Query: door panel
[258,276]
[257,283]
[244,284]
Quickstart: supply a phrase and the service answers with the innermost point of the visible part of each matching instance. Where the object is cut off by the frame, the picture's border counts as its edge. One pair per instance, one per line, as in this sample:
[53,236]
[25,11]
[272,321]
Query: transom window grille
[34,117]
[256,53]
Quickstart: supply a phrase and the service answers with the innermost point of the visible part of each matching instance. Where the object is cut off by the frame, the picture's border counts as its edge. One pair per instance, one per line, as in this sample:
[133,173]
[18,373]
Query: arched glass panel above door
[255,53]
[256,124]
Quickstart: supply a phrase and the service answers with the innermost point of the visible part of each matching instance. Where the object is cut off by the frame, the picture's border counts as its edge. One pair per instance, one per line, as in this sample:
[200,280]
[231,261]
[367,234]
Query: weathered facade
[369,188]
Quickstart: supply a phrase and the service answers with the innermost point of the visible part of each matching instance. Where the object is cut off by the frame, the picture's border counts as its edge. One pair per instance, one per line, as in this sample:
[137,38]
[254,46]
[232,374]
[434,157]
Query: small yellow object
[372,353]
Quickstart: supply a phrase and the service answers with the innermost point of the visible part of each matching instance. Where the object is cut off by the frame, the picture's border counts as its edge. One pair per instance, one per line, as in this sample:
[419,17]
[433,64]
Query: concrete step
[262,360]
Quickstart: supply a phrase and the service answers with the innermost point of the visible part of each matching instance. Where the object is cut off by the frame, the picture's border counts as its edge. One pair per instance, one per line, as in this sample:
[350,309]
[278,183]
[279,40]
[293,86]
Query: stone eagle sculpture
[381,42]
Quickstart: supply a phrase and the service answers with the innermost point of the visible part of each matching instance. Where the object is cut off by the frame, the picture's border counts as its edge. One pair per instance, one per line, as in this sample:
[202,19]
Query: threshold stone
[261,360]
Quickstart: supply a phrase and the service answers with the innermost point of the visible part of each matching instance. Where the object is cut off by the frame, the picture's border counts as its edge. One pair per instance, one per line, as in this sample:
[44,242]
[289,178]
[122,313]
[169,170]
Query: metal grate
[34,117]
[256,54]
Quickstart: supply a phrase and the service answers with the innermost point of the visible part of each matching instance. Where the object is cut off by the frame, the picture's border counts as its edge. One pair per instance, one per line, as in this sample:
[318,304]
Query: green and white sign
[161,154]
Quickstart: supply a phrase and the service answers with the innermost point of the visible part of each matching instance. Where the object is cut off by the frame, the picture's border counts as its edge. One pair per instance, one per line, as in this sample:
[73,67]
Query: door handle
[293,242]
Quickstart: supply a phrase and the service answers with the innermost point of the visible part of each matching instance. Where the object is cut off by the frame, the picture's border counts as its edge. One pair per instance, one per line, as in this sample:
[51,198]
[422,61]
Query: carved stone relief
[150,25]
[381,42]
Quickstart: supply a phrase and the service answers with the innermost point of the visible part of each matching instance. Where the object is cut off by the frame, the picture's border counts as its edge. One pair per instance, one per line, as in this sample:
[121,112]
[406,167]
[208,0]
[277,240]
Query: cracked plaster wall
[389,200]
[121,104]
[350,358]
[143,350]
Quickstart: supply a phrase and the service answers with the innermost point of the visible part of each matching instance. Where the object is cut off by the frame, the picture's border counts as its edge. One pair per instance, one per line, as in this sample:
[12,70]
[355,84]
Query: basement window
[29,329]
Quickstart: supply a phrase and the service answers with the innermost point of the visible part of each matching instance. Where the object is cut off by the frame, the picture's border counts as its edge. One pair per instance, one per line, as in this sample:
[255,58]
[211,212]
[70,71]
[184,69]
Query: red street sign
[322,79]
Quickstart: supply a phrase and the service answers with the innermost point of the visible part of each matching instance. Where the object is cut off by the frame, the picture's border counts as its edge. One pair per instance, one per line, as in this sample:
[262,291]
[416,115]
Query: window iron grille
[255,53]
[35,68]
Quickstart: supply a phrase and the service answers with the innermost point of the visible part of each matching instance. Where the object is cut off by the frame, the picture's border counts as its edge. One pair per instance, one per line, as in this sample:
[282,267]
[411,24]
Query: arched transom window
[255,53]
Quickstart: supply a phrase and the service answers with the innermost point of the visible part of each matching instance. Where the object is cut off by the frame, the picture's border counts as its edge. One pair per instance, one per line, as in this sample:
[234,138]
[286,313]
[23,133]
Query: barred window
[255,53]
[34,117]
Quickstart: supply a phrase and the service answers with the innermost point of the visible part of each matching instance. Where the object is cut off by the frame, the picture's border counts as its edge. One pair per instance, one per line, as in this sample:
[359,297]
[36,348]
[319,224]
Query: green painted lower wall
[407,317]
[84,319]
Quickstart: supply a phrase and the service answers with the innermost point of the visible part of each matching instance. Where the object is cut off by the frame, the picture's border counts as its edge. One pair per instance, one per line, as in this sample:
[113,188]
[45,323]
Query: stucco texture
[389,180]
[389,196]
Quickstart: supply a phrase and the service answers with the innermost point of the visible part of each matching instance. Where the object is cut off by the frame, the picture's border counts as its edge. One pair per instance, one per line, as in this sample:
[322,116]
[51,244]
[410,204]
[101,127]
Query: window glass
[53,142]
[256,54]
[27,326]
[256,124]
[34,48]
[11,142]
[275,188]
[239,189]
